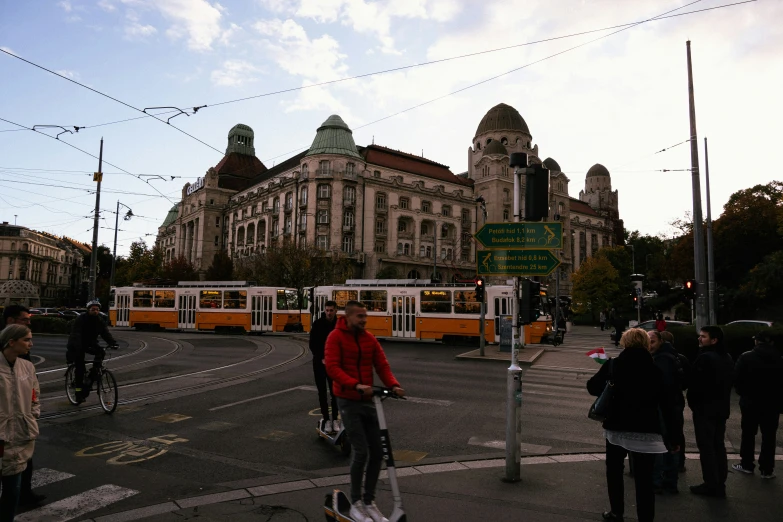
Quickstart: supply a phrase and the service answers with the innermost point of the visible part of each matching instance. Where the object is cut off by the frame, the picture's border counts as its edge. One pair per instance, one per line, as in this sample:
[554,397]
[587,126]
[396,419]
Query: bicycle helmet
[94,302]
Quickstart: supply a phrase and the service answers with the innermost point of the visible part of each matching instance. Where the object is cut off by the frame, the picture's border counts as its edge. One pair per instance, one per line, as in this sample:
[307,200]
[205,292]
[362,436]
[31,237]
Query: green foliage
[49,324]
[179,269]
[143,264]
[595,285]
[221,269]
[388,272]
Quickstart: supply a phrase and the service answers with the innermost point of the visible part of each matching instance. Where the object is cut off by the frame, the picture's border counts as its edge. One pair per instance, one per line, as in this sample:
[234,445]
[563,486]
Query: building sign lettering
[199,184]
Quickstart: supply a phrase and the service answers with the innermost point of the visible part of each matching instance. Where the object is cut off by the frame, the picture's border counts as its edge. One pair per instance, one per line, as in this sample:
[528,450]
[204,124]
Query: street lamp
[128,215]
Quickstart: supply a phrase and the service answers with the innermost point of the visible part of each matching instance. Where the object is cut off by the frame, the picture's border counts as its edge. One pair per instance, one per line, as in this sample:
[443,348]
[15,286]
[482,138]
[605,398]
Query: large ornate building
[391,212]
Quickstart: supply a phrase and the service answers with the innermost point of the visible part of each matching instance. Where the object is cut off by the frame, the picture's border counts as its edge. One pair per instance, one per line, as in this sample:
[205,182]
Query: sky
[593,84]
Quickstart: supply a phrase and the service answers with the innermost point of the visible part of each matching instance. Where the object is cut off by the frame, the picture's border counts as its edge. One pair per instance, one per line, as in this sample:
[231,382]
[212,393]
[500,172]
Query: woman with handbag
[636,414]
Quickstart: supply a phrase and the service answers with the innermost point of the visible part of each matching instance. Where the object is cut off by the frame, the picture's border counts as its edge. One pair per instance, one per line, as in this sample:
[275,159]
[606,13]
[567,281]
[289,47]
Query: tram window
[142,298]
[293,299]
[341,297]
[164,298]
[211,299]
[112,297]
[465,302]
[282,303]
[436,301]
[374,299]
[235,299]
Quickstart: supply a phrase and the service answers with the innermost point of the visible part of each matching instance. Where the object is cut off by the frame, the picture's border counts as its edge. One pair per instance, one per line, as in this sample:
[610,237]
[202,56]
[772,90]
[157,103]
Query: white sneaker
[328,426]
[358,512]
[375,513]
[336,425]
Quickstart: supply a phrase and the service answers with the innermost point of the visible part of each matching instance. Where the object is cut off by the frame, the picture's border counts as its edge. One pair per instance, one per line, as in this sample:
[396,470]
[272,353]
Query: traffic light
[530,302]
[536,193]
[690,288]
[480,289]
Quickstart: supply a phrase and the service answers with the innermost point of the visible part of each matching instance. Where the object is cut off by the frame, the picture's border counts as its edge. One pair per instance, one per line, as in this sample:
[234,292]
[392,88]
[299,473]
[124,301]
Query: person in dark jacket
[633,424]
[320,330]
[84,339]
[758,379]
[667,337]
[709,397]
[618,323]
[667,360]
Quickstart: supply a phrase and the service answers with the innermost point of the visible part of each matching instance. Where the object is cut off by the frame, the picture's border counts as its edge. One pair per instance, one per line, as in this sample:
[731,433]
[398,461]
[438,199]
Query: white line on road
[260,397]
[44,476]
[77,505]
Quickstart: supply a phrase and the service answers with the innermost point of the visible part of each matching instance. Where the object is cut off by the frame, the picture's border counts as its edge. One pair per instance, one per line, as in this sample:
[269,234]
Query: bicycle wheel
[70,389]
[107,391]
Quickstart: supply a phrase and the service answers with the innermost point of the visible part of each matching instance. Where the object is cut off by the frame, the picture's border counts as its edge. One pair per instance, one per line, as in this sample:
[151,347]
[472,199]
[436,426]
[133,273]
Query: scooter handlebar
[385,393]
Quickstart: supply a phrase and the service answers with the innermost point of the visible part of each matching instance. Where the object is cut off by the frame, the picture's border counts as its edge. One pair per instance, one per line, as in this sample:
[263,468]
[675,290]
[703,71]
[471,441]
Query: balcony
[349,202]
[289,207]
[304,176]
[348,228]
[324,173]
[302,228]
[350,175]
[302,203]
[381,209]
[381,233]
[427,237]
[405,235]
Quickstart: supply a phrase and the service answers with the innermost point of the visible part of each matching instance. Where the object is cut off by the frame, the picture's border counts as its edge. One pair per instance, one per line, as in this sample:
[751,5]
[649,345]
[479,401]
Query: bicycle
[105,381]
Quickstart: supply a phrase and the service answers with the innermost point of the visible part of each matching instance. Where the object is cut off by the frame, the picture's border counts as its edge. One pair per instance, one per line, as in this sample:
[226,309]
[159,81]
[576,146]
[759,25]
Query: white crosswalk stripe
[44,476]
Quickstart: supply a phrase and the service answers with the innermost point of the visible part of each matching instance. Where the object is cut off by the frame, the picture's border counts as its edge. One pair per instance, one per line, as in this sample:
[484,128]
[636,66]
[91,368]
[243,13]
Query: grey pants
[361,425]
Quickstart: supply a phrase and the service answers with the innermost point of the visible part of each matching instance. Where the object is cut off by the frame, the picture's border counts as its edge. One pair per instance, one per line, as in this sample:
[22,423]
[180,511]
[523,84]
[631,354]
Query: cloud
[9,50]
[137,30]
[107,6]
[322,100]
[230,34]
[68,74]
[66,6]
[198,19]
[234,73]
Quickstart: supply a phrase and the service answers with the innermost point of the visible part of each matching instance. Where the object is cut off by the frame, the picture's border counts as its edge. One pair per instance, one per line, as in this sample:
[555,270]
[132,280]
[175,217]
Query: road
[200,413]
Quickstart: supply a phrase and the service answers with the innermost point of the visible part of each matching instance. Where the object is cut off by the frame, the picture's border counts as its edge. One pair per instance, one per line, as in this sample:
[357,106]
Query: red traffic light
[689,284]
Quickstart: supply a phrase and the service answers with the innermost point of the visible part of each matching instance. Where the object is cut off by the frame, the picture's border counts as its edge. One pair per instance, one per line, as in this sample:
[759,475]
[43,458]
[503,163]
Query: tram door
[318,307]
[502,307]
[123,310]
[261,313]
[187,312]
[403,316]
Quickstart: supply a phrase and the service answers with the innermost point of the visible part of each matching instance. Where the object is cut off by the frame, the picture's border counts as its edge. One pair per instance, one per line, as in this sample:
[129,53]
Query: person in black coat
[319,331]
[758,380]
[709,397]
[634,423]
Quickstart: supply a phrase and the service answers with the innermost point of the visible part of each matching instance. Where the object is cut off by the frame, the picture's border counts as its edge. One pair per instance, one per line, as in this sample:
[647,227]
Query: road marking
[41,361]
[276,436]
[129,452]
[261,397]
[77,505]
[170,418]
[501,445]
[217,426]
[44,476]
[409,455]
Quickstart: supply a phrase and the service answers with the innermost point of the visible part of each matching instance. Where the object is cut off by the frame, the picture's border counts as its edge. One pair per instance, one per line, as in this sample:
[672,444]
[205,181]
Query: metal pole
[702,317]
[557,298]
[435,252]
[482,340]
[94,256]
[114,253]
[710,253]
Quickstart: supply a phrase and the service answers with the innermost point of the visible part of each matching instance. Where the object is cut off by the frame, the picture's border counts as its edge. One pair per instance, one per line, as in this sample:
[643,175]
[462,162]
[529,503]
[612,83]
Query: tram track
[195,387]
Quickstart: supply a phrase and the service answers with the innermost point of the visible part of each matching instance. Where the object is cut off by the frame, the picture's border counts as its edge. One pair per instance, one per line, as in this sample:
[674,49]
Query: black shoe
[608,515]
[78,395]
[707,491]
[31,499]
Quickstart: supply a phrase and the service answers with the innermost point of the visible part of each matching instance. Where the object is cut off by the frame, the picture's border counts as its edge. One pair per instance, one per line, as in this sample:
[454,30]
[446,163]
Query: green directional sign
[521,235]
[516,262]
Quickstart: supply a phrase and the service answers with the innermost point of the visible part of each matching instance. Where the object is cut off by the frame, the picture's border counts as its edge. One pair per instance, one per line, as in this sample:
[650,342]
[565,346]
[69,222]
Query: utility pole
[710,253]
[127,217]
[702,316]
[98,176]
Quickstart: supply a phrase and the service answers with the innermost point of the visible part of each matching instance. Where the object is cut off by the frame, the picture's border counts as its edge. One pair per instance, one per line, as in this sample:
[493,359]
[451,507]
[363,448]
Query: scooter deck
[337,506]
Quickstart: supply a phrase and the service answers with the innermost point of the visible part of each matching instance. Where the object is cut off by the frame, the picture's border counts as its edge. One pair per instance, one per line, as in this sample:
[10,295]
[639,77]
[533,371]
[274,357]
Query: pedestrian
[758,380]
[320,330]
[709,397]
[18,314]
[660,324]
[685,365]
[667,360]
[351,354]
[619,327]
[19,412]
[602,319]
[633,424]
[560,323]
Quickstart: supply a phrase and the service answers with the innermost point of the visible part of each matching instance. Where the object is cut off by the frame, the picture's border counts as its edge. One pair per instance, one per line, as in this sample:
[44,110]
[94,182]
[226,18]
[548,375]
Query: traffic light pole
[482,340]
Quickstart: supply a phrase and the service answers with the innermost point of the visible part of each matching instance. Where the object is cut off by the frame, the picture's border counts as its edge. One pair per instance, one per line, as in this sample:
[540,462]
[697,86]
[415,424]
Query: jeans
[361,425]
[643,474]
[77,358]
[710,432]
[26,487]
[666,471]
[752,420]
[322,381]
[10,497]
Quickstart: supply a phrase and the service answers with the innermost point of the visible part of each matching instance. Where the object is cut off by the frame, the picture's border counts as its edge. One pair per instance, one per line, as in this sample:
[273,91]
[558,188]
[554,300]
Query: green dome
[334,137]
[502,117]
[171,217]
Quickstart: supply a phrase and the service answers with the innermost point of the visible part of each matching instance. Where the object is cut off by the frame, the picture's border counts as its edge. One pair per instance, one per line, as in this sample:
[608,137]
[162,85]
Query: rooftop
[398,160]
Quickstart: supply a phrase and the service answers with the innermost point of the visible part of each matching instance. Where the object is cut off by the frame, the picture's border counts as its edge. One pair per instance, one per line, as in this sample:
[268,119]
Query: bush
[738,339]
[48,324]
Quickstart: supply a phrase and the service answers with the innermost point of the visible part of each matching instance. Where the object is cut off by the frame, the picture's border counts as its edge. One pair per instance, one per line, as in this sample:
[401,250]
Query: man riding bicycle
[84,339]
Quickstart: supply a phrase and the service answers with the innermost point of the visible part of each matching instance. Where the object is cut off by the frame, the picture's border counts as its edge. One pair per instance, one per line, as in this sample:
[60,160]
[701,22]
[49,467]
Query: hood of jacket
[767,352]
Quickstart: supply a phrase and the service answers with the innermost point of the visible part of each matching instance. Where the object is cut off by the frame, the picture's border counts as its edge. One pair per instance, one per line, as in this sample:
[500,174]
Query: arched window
[478,145]
[304,171]
[444,231]
[425,229]
[505,214]
[414,274]
[251,233]
[303,196]
[402,226]
[560,208]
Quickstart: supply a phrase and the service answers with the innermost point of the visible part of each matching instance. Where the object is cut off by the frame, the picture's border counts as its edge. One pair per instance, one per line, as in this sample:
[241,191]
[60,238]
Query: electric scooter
[337,505]
[336,438]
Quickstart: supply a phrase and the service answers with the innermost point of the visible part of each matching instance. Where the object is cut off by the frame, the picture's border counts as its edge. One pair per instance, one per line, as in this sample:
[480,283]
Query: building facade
[52,265]
[394,214]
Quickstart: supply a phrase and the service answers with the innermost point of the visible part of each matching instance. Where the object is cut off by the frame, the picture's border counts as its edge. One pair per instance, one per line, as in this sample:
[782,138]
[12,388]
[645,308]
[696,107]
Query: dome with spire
[240,140]
[502,117]
[552,165]
[597,170]
[495,147]
[334,137]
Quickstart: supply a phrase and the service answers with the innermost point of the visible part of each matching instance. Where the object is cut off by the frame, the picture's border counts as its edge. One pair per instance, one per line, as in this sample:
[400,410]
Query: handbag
[603,404]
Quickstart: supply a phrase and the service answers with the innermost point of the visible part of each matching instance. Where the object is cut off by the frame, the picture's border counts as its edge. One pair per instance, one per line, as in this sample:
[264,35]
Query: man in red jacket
[351,354]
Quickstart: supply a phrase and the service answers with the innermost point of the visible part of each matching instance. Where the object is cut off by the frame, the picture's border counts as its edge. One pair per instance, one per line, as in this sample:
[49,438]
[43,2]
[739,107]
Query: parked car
[54,312]
[650,325]
[751,322]
[70,314]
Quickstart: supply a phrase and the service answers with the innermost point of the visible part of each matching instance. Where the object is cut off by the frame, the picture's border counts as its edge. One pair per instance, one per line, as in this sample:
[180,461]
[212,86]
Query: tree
[142,264]
[179,269]
[222,267]
[595,285]
[388,272]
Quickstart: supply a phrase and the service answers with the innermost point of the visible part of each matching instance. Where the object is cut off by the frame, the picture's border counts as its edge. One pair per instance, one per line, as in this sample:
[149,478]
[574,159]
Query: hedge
[738,339]
[48,324]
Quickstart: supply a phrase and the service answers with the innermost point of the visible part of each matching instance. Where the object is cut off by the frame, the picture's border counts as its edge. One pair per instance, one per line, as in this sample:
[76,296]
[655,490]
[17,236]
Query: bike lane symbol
[130,452]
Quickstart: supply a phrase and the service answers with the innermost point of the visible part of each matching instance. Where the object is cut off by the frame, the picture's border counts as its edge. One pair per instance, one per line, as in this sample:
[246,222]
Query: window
[341,297]
[466,217]
[349,168]
[506,195]
[348,244]
[406,249]
[444,231]
[323,217]
[380,247]
[303,197]
[349,196]
[235,299]
[289,201]
[217,222]
[376,174]
[276,206]
[287,300]
[164,298]
[324,191]
[445,210]
[217,238]
[405,203]
[465,302]
[142,298]
[275,228]
[322,242]
[380,201]
[436,301]
[287,225]
[210,299]
[380,226]
[323,167]
[304,170]
[375,300]
[560,208]
[426,206]
[348,219]
[402,226]
[421,251]
[504,140]
[505,214]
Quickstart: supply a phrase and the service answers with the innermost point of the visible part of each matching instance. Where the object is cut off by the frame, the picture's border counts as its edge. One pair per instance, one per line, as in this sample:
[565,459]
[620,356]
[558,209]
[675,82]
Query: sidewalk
[555,488]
